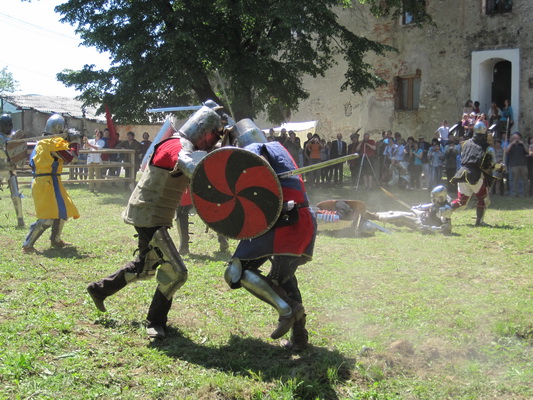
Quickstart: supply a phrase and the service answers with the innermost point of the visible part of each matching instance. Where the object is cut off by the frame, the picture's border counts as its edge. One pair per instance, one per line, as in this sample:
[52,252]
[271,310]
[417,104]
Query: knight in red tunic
[151,209]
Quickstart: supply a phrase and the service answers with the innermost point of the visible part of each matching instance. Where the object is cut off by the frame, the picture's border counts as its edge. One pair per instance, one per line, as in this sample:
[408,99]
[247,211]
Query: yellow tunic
[49,195]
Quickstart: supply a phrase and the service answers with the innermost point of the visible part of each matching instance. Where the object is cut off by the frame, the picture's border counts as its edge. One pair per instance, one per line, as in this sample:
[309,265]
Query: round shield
[236,193]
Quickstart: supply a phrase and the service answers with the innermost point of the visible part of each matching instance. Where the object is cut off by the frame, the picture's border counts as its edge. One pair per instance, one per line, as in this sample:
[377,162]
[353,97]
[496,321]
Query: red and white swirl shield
[236,193]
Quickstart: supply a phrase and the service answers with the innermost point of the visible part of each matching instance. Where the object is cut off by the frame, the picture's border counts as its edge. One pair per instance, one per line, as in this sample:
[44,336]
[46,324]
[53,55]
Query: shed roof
[54,104]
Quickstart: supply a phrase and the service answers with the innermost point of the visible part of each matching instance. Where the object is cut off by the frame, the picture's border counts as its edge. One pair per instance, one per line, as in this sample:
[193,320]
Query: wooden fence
[86,176]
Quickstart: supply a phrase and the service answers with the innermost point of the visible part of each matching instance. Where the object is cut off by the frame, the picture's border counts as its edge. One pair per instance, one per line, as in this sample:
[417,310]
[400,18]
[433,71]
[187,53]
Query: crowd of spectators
[102,140]
[391,161]
[419,164]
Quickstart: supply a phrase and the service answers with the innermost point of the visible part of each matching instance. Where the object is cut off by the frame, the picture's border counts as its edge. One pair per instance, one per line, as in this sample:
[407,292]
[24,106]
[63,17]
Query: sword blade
[37,138]
[170,109]
[316,166]
[395,198]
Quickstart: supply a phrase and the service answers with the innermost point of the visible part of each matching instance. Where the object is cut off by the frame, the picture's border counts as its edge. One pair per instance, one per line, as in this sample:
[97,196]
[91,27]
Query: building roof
[54,104]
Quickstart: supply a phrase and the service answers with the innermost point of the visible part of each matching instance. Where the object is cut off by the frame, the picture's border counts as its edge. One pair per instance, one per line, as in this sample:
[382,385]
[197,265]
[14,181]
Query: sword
[37,138]
[395,198]
[170,109]
[316,166]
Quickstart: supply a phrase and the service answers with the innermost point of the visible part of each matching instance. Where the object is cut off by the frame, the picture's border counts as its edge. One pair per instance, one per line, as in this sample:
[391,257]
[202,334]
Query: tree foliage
[250,55]
[8,84]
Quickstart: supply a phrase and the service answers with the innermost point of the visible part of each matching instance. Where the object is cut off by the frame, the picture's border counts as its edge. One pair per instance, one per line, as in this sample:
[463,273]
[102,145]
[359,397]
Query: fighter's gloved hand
[188,160]
[445,211]
[75,148]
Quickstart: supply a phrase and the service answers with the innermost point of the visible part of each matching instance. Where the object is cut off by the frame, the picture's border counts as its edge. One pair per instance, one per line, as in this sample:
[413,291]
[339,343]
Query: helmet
[203,128]
[439,195]
[212,104]
[73,136]
[55,125]
[246,132]
[226,119]
[480,128]
[6,124]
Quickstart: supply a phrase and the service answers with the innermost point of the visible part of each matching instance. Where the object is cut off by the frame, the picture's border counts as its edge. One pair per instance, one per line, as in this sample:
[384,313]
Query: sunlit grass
[401,316]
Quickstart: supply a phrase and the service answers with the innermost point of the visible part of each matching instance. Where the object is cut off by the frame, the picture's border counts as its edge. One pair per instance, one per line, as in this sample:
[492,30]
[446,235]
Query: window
[408,92]
[494,7]
[407,18]
[410,12]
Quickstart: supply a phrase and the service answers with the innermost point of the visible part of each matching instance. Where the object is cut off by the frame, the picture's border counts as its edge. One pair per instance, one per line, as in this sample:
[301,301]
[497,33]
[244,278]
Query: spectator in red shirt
[367,150]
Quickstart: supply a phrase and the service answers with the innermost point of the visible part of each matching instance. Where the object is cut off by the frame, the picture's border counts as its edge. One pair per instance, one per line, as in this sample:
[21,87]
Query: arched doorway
[495,75]
[501,82]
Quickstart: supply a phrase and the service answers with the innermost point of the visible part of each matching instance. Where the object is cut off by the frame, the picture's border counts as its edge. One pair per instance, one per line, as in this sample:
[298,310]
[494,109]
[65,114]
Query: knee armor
[36,230]
[15,195]
[256,284]
[170,271]
[233,273]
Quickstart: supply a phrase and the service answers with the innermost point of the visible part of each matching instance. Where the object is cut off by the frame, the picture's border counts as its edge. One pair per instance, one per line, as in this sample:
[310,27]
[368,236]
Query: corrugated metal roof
[54,104]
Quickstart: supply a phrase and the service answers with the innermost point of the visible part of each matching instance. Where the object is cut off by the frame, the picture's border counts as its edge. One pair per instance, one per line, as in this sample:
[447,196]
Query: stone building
[477,49]
[30,113]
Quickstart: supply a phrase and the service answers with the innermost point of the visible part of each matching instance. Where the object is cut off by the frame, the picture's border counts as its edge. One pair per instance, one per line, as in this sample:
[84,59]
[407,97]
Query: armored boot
[289,310]
[55,237]
[287,321]
[36,230]
[299,336]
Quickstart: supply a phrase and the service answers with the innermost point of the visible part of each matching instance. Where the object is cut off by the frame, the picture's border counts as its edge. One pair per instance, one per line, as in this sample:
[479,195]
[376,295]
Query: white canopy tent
[300,128]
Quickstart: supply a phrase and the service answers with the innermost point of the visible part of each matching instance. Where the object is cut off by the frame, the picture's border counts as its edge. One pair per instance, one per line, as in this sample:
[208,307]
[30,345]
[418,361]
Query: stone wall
[440,53]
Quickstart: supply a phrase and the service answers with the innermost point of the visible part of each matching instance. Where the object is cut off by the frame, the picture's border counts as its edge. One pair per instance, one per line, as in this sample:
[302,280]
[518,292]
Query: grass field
[400,316]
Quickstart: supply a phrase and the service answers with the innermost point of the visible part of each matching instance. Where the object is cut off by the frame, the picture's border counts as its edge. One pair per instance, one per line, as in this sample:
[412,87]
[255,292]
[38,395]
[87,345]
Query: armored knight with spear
[8,163]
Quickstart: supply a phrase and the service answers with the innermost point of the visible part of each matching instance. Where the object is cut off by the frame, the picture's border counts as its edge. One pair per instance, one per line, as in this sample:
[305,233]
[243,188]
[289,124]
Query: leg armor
[171,272]
[16,198]
[182,219]
[36,230]
[400,218]
[57,229]
[223,242]
[483,201]
[261,287]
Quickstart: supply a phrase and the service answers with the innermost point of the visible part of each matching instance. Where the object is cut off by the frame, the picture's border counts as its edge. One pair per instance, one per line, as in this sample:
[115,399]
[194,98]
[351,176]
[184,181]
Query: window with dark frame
[408,18]
[494,7]
[408,92]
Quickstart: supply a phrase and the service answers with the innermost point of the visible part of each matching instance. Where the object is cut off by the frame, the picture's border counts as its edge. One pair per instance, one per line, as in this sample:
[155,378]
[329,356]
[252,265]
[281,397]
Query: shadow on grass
[216,256]
[347,232]
[503,226]
[64,252]
[14,226]
[112,323]
[316,370]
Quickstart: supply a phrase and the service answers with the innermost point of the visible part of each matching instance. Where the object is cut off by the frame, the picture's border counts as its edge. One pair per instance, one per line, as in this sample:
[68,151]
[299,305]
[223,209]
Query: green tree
[176,52]
[8,84]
